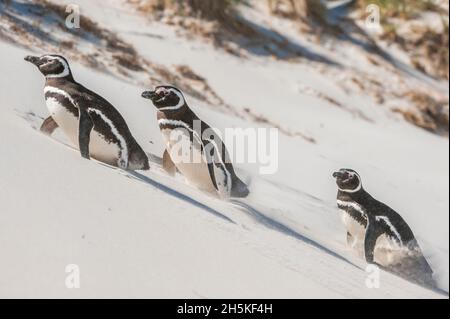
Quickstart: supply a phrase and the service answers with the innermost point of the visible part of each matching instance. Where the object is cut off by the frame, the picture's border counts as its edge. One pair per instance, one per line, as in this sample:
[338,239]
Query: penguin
[379,233]
[87,119]
[192,147]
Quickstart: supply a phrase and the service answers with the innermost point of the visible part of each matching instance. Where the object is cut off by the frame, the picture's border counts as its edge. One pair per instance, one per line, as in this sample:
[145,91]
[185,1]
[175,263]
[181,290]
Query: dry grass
[432,53]
[124,53]
[305,10]
[428,113]
[218,22]
[222,11]
[428,49]
[216,10]
[403,9]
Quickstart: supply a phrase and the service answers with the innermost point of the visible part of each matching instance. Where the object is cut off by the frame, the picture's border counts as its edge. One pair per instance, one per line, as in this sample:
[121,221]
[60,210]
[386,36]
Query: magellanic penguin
[378,232]
[87,119]
[193,147]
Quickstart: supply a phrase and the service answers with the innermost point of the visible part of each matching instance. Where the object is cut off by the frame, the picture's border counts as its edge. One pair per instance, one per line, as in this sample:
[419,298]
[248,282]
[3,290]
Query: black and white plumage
[193,147]
[379,233]
[86,118]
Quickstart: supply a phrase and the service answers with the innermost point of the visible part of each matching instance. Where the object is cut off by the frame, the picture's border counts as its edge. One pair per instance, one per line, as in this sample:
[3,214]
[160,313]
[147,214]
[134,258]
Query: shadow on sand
[174,193]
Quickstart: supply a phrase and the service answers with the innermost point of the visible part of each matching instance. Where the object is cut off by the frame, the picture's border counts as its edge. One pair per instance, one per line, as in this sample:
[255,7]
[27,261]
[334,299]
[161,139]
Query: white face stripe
[391,227]
[357,189]
[180,104]
[123,161]
[64,73]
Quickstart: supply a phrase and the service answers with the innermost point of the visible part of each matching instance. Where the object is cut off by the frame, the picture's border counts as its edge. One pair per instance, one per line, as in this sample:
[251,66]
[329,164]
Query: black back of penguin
[379,209]
[95,101]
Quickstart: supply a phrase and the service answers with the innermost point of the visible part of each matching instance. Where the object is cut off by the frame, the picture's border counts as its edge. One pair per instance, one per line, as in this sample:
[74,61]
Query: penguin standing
[86,118]
[378,232]
[193,147]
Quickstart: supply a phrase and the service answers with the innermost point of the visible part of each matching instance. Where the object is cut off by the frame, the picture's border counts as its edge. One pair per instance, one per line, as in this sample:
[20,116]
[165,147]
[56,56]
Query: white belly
[99,148]
[188,159]
[357,231]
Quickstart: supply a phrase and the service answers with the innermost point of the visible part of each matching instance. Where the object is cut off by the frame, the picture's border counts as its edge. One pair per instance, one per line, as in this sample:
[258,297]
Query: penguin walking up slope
[86,118]
[193,147]
[380,233]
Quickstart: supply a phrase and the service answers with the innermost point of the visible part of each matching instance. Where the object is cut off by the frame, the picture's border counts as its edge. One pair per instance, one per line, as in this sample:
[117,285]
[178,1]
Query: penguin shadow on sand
[270,223]
[172,192]
[243,205]
[33,119]
[246,207]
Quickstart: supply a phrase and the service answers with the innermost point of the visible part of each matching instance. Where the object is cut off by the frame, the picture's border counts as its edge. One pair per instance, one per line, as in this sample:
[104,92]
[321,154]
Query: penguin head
[348,180]
[166,98]
[51,66]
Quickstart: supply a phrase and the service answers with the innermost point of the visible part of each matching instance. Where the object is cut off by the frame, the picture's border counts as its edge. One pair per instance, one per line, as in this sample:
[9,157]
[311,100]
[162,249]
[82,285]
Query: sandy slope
[152,236]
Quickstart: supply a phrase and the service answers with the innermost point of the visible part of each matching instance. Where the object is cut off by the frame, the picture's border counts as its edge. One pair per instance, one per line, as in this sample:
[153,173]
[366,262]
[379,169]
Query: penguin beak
[338,175]
[149,95]
[32,59]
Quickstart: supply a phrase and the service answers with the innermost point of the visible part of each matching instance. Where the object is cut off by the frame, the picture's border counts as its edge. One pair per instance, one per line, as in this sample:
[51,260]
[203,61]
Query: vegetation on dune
[429,113]
[430,52]
[427,47]
[221,22]
[405,9]
[304,10]
[402,22]
[209,10]
[220,10]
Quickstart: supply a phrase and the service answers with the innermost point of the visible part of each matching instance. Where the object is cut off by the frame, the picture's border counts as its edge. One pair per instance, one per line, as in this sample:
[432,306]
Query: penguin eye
[162,93]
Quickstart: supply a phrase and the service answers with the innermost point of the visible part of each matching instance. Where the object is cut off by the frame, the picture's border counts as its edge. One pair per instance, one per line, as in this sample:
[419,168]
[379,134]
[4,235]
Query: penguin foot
[49,126]
[239,190]
[168,164]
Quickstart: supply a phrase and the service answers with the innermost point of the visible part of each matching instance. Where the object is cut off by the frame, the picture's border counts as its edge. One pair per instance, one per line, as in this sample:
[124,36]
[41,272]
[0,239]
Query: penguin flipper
[168,164]
[49,126]
[222,172]
[221,179]
[370,240]
[218,172]
[84,132]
